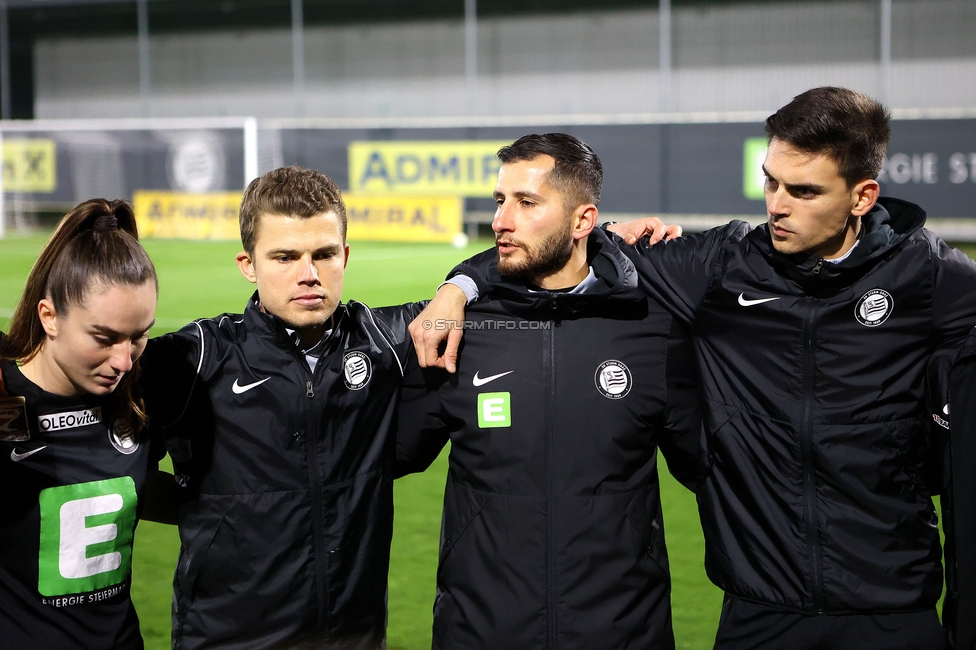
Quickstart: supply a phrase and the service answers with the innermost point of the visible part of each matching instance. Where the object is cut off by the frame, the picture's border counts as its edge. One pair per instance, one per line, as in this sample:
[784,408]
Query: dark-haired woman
[73,456]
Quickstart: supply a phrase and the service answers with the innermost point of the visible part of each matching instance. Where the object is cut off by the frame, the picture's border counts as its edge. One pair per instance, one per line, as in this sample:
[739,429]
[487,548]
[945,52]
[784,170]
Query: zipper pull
[308,389]
[816,269]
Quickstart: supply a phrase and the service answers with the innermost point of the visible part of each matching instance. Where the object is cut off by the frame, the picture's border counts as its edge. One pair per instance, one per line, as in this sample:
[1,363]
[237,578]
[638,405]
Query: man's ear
[346,261]
[585,219]
[865,194]
[48,316]
[246,266]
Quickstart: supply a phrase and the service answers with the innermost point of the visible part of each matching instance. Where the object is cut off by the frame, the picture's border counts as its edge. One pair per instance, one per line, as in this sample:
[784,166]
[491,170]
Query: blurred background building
[667,91]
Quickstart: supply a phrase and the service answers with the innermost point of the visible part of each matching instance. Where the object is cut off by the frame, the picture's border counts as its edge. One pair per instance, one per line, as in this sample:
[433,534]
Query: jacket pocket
[202,527]
[649,529]
[462,505]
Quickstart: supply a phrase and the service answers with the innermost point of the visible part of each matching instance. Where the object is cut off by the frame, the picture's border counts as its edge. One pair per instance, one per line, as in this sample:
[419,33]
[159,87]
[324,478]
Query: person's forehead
[789,160]
[535,170]
[280,226]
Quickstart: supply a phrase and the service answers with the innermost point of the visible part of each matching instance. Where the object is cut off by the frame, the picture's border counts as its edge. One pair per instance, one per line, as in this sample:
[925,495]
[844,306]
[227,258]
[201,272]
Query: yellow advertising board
[431,168]
[29,165]
[187,216]
[403,218]
[215,216]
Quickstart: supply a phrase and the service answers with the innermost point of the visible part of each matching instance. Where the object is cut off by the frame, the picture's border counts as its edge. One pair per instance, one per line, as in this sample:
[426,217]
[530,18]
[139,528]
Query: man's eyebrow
[332,249]
[794,187]
[291,252]
[520,194]
[282,251]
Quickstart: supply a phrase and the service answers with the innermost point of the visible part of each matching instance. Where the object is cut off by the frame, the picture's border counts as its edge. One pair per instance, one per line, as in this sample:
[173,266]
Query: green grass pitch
[200,279]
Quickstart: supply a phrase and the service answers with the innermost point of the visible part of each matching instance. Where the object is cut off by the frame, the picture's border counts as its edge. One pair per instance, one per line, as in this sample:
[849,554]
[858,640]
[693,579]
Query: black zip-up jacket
[816,498]
[552,531]
[287,538]
[954,393]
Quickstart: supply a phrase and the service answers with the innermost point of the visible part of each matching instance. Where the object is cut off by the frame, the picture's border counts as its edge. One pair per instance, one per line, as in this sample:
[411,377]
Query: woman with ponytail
[74,458]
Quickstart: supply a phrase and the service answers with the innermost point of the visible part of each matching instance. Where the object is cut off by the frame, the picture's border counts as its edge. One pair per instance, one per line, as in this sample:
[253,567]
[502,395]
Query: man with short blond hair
[280,424]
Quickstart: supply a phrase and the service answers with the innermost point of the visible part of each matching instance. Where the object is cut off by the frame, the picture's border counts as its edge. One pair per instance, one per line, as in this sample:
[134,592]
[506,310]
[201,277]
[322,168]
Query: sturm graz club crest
[874,307]
[123,436]
[613,379]
[356,369]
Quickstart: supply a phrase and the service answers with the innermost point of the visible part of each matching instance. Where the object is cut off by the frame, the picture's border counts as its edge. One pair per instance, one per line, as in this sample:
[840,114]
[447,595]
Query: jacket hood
[617,282]
[884,227]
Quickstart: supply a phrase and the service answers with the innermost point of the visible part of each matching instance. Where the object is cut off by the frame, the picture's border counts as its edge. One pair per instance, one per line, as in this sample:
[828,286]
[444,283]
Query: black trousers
[750,626]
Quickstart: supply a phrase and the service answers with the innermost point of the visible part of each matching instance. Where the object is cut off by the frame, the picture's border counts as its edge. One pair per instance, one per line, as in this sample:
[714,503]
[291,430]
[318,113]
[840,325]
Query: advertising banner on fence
[466,168]
[383,218]
[174,215]
[403,218]
[29,165]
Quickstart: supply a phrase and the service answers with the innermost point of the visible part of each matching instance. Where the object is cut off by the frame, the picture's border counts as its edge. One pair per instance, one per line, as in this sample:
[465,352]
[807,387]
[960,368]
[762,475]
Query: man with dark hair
[569,379]
[812,334]
[280,424]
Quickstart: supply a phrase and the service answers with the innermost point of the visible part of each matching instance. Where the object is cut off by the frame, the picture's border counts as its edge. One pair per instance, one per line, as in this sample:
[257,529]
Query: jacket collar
[888,224]
[273,327]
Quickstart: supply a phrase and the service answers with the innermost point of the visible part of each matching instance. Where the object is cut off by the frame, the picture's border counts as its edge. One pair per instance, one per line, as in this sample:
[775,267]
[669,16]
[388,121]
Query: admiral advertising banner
[174,215]
[425,167]
[404,218]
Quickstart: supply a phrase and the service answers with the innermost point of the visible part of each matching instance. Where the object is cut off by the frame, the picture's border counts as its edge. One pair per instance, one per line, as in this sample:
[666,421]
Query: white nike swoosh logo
[745,302]
[478,381]
[14,456]
[238,389]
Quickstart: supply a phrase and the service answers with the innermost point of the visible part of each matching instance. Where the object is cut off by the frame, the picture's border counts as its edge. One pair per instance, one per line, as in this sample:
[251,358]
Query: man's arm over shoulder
[422,430]
[680,438]
[677,272]
[393,322]
[170,368]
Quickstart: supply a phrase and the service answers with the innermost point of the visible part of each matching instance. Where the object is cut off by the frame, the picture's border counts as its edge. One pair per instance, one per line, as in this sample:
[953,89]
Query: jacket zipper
[550,462]
[809,473]
[318,534]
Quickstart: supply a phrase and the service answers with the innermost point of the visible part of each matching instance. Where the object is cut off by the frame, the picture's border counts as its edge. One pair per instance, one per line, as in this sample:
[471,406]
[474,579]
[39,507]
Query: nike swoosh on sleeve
[14,456]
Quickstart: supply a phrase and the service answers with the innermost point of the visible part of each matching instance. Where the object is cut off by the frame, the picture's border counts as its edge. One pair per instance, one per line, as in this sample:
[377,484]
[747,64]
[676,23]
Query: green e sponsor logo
[86,536]
[494,410]
[753,177]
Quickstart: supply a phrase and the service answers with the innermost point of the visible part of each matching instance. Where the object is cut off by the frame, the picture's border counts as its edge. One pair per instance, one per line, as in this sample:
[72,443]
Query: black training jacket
[287,538]
[552,531]
[954,387]
[816,498]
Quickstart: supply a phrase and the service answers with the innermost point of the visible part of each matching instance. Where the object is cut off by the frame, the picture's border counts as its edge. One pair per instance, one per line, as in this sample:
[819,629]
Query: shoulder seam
[378,329]
[189,394]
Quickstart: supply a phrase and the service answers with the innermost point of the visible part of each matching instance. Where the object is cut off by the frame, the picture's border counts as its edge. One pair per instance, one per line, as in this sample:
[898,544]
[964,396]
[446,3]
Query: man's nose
[503,220]
[308,273]
[776,203]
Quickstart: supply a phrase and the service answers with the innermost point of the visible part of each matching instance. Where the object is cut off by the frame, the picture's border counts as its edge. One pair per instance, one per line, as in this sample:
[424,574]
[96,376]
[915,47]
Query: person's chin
[511,264]
[101,388]
[306,318]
